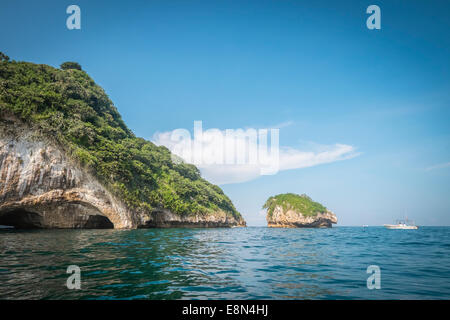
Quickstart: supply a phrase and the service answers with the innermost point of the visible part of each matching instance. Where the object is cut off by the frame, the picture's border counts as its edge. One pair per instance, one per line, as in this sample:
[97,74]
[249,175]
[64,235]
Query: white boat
[402,224]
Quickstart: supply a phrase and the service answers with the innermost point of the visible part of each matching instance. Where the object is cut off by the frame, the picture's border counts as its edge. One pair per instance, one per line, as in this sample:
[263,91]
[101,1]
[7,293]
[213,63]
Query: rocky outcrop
[41,187]
[166,219]
[290,218]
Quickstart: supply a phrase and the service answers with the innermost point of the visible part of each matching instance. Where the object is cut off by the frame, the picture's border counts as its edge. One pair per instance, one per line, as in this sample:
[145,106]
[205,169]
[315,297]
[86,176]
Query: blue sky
[313,67]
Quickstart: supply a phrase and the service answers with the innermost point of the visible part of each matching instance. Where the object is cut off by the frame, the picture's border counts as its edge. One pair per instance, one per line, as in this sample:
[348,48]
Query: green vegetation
[299,203]
[70,65]
[3,57]
[67,106]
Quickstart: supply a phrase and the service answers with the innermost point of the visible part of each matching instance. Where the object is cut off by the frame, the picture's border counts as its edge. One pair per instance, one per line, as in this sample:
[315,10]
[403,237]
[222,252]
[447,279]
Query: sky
[363,115]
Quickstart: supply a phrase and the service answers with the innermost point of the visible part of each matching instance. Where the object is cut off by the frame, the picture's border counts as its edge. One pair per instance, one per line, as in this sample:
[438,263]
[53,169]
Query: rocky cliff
[297,211]
[43,188]
[67,160]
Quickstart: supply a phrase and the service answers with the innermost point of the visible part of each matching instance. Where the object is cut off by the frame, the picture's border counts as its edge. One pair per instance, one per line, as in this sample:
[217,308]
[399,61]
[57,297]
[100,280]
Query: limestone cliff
[294,219]
[297,211]
[67,160]
[43,188]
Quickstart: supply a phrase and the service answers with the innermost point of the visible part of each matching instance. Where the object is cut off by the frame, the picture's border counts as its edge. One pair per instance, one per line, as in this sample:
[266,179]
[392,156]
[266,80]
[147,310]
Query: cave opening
[21,219]
[98,222]
[24,219]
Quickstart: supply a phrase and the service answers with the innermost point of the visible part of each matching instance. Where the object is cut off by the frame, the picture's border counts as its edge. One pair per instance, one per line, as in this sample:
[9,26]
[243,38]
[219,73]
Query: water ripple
[240,263]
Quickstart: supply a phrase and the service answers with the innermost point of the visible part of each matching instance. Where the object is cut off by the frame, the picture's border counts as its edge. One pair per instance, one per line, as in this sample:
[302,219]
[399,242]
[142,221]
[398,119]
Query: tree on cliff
[70,65]
[3,57]
[301,203]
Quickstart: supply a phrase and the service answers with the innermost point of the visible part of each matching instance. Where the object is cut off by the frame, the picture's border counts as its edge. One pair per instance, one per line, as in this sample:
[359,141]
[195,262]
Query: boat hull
[400,227]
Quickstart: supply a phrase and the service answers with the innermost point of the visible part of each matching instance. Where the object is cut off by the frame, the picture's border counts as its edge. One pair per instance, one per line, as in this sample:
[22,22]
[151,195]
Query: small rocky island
[291,210]
[67,160]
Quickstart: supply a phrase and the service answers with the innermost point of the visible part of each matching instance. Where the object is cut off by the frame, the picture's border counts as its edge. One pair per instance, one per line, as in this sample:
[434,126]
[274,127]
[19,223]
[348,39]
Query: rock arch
[41,187]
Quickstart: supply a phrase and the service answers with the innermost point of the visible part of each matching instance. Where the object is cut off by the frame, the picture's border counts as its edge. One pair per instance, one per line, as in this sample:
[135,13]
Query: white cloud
[288,159]
[438,166]
[291,158]
[283,124]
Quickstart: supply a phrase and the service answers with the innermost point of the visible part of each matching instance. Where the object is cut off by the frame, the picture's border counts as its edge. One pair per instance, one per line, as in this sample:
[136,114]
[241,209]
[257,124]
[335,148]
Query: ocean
[237,263]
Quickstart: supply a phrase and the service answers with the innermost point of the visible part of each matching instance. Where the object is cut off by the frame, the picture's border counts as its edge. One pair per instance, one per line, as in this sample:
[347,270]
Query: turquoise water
[239,263]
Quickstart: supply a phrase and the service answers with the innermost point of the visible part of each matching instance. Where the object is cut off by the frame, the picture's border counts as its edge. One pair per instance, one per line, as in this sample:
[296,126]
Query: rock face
[290,210]
[293,219]
[40,187]
[166,219]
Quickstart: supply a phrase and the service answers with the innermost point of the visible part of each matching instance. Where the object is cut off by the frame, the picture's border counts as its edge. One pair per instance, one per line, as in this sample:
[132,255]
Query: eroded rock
[294,219]
[291,210]
[40,187]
